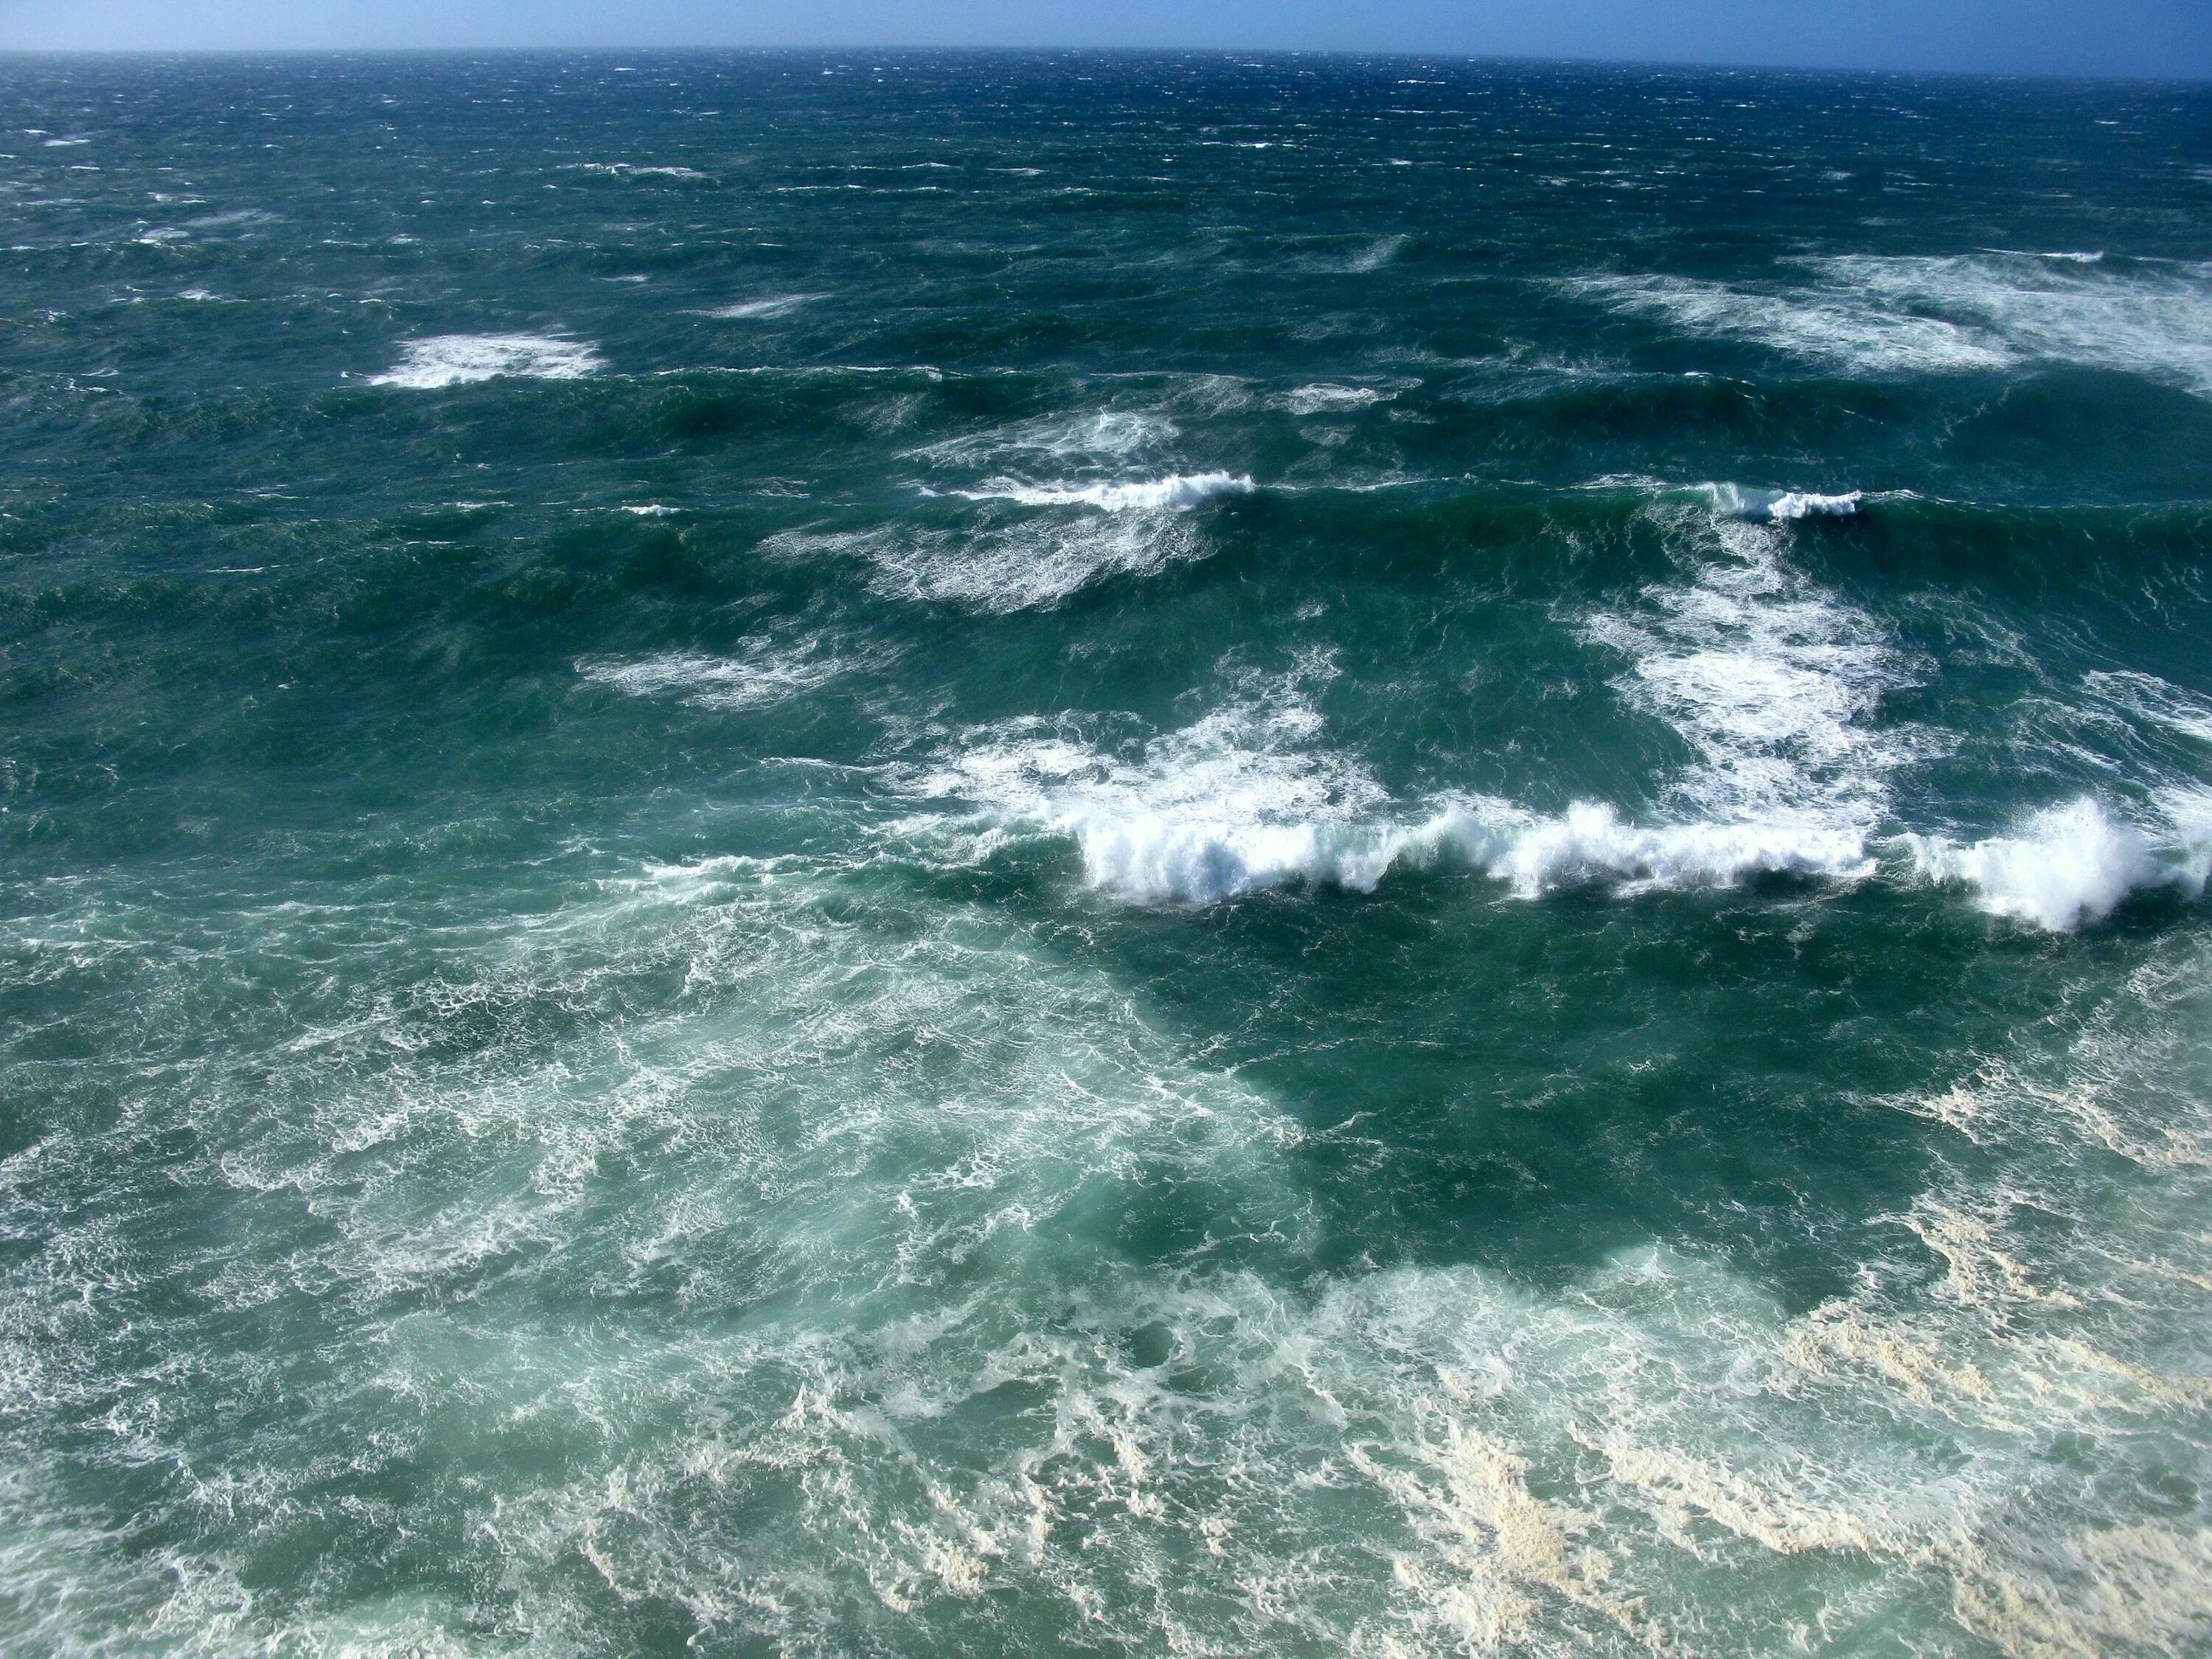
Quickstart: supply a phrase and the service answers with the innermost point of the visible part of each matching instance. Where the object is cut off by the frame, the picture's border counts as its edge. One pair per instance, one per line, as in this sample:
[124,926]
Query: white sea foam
[445,360]
[1177,492]
[631,170]
[758,674]
[917,1140]
[1837,328]
[1771,680]
[2149,698]
[778,305]
[1375,255]
[1032,565]
[1103,437]
[236,216]
[1653,1454]
[1325,399]
[2069,864]
[1883,315]
[2154,321]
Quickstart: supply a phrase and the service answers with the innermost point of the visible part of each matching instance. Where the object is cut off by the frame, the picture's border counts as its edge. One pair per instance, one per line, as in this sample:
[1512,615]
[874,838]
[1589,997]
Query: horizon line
[1706,65]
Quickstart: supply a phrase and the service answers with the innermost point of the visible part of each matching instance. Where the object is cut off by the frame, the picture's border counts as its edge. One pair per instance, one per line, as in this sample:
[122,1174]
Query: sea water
[926,856]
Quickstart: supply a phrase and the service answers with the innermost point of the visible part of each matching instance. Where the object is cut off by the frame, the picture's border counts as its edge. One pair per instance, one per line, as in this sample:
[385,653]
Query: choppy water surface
[922,856]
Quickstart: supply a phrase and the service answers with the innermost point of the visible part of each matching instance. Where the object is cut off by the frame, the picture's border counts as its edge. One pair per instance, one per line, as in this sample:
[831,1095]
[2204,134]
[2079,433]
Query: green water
[910,855]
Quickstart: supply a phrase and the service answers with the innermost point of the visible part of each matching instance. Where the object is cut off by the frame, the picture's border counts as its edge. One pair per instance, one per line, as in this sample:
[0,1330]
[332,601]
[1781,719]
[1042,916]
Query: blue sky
[2107,37]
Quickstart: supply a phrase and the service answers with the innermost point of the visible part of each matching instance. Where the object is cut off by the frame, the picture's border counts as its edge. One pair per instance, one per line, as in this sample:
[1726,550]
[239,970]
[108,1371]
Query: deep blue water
[923,855]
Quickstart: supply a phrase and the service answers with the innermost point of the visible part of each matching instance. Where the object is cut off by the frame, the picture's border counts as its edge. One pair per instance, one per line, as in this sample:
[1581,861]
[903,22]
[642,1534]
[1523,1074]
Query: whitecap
[1251,797]
[1783,505]
[1592,844]
[1836,328]
[1029,566]
[1375,255]
[758,674]
[445,360]
[778,305]
[1807,504]
[2156,322]
[1100,437]
[1241,800]
[1771,681]
[1153,837]
[1325,399]
[1887,314]
[235,217]
[629,170]
[2067,864]
[1178,492]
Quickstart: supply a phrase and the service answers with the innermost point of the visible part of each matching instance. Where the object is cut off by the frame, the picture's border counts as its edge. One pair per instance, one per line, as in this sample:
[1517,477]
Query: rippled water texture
[917,856]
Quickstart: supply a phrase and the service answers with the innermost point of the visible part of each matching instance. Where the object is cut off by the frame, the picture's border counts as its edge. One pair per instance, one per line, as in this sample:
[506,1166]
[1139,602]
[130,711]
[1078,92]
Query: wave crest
[2069,864]
[1782,505]
[1250,797]
[444,359]
[1178,492]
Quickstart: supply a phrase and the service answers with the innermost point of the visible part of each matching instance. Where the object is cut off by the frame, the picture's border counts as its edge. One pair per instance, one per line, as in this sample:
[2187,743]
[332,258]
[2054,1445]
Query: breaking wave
[1766,678]
[1179,492]
[1783,505]
[2071,864]
[445,360]
[1200,818]
[1322,398]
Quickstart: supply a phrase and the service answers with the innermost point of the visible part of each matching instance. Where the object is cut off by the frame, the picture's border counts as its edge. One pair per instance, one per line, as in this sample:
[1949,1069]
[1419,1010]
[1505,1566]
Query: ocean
[910,855]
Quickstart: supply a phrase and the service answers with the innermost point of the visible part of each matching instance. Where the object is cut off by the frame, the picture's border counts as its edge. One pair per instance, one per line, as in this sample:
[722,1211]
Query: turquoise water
[904,855]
